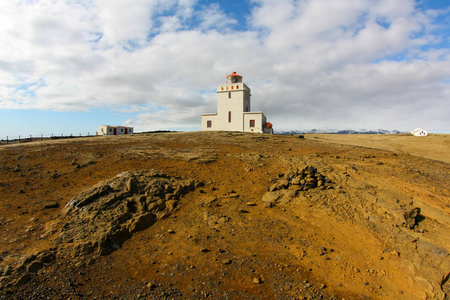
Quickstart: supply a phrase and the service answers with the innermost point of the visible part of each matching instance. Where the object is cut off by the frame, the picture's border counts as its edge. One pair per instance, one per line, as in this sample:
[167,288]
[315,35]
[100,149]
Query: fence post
[19,138]
[7,140]
[42,137]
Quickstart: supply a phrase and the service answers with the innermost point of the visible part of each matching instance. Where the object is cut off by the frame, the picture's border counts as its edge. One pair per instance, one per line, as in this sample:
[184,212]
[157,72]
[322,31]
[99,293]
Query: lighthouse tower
[233,109]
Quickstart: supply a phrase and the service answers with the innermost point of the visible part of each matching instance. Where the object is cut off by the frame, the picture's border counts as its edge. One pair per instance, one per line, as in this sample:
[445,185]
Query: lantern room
[234,78]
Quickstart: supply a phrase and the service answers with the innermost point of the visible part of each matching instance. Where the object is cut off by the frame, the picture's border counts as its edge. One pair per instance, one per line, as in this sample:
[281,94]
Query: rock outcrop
[107,214]
[286,187]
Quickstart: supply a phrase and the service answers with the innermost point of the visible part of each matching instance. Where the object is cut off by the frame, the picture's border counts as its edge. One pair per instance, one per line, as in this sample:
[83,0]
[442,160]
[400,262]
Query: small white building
[419,132]
[233,109]
[114,130]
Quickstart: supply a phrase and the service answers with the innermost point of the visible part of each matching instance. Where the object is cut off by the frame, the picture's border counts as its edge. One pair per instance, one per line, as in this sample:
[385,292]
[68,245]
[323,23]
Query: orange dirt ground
[347,241]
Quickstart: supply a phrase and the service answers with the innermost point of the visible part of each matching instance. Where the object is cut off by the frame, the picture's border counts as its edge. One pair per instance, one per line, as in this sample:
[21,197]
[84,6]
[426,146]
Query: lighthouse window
[252,123]
[229,116]
[237,87]
[209,124]
[229,95]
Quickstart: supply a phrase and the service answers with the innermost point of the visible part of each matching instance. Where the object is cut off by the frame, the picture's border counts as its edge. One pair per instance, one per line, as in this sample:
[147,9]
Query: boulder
[411,217]
[267,204]
[272,187]
[311,182]
[171,205]
[282,184]
[287,196]
[269,198]
[296,181]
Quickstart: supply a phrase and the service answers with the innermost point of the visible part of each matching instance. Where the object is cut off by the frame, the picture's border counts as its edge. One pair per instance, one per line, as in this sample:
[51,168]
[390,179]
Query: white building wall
[124,130]
[102,130]
[419,132]
[259,122]
[114,130]
[235,99]
[213,119]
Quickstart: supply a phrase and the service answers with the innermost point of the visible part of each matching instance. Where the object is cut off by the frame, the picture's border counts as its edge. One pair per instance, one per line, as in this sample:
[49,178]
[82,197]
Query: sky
[68,66]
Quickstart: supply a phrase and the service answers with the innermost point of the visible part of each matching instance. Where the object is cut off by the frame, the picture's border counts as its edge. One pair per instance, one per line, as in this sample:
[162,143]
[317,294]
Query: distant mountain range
[337,131]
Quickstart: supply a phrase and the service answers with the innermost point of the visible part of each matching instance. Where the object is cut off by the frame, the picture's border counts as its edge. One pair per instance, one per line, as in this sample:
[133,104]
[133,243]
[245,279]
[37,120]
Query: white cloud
[318,63]
[122,20]
[170,23]
[213,17]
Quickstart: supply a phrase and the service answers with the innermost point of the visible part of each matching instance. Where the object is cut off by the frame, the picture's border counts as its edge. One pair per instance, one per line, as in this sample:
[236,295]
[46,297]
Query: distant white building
[419,132]
[233,109]
[114,130]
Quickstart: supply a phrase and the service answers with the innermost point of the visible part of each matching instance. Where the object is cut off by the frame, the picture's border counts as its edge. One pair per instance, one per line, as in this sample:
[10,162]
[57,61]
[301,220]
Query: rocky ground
[224,215]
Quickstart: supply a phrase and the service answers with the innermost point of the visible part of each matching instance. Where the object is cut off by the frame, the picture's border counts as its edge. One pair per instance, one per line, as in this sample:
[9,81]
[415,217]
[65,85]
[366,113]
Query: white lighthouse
[233,109]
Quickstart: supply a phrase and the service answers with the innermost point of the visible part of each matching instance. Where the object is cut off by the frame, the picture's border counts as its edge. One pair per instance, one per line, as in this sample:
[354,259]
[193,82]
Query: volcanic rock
[107,214]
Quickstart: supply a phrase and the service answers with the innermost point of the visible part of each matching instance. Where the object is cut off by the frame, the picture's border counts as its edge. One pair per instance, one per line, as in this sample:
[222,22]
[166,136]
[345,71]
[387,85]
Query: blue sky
[69,66]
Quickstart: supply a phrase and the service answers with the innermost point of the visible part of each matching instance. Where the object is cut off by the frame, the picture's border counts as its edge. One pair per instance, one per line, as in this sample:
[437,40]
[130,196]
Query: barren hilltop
[225,215]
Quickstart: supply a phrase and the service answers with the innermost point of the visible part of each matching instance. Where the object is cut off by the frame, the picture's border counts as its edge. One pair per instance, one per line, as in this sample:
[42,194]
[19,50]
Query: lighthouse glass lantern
[234,78]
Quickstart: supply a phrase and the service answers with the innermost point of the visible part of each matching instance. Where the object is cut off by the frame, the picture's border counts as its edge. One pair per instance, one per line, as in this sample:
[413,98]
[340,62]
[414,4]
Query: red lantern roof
[234,75]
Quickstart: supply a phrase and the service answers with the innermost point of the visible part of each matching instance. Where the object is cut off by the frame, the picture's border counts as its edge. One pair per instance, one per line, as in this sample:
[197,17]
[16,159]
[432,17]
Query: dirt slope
[434,146]
[341,238]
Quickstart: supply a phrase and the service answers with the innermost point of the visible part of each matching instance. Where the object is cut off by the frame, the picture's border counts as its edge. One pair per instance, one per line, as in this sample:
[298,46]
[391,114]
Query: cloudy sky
[67,66]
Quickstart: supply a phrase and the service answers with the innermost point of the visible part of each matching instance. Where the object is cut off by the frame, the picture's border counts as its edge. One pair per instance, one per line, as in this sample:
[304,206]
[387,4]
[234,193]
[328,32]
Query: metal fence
[30,138]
